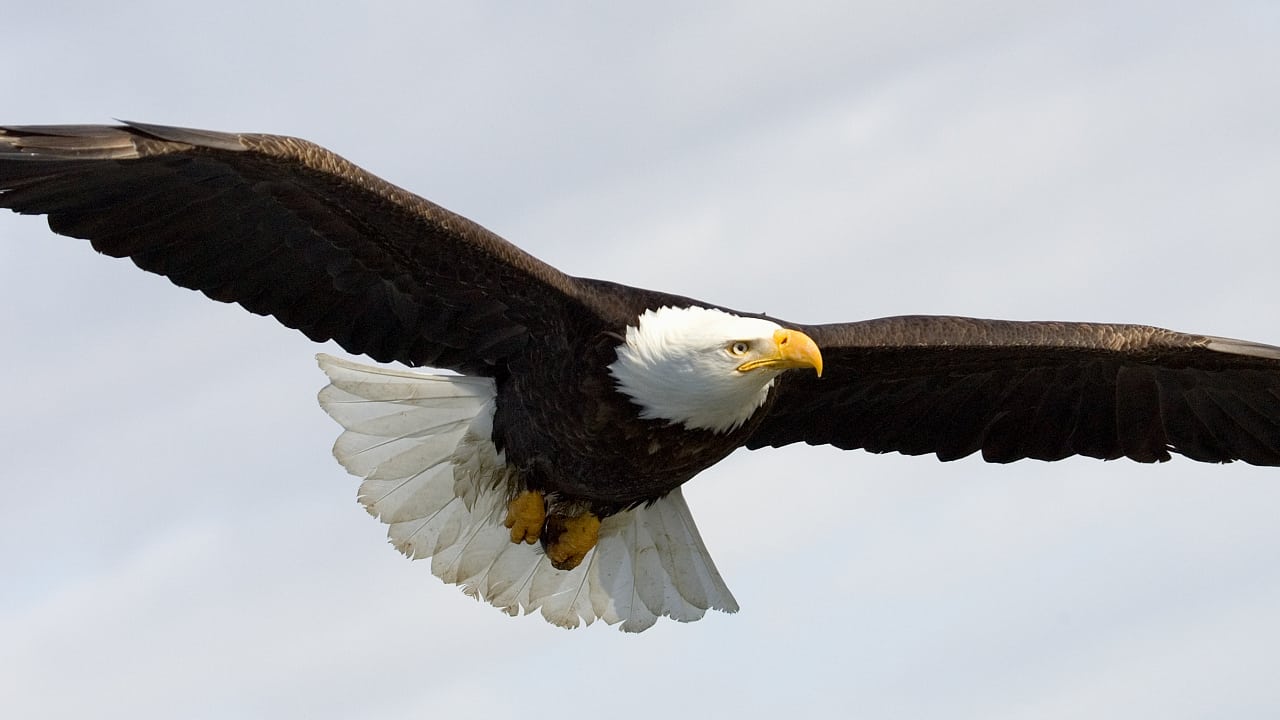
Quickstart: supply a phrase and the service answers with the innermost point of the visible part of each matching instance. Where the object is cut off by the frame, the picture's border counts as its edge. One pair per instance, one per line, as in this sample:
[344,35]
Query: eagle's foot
[525,516]
[567,540]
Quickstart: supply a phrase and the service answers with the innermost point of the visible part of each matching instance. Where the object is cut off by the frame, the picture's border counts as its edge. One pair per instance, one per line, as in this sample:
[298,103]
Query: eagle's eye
[739,348]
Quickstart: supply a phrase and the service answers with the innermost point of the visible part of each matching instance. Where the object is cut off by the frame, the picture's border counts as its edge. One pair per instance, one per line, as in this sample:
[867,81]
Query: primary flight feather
[547,475]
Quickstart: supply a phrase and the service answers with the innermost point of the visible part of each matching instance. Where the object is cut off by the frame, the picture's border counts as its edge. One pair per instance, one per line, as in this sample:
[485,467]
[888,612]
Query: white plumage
[677,365]
[431,472]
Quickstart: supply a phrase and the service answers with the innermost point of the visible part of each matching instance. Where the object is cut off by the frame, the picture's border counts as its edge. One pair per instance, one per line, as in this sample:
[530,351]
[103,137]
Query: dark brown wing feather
[1012,390]
[287,228]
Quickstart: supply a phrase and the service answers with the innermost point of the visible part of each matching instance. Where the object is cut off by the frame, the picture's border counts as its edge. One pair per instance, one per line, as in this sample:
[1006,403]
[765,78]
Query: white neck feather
[675,366]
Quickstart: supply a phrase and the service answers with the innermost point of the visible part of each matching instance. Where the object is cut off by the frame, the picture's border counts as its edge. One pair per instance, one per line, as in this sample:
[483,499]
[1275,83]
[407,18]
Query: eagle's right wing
[286,228]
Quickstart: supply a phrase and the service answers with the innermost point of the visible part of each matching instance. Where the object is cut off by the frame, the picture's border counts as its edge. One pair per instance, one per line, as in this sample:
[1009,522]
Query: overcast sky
[176,540]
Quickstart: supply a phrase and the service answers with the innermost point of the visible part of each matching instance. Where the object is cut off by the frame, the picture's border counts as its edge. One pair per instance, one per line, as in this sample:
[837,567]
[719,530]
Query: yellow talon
[525,515]
[569,539]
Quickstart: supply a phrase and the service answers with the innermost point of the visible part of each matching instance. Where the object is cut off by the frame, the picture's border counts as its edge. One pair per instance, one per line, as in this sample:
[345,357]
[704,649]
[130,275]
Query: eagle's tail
[423,445]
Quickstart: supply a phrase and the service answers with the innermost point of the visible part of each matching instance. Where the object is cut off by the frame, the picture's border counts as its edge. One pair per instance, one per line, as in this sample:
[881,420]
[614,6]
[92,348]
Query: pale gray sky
[176,540]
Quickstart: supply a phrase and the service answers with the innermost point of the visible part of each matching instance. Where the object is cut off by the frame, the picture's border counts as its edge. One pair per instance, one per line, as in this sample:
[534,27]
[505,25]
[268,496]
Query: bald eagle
[546,474]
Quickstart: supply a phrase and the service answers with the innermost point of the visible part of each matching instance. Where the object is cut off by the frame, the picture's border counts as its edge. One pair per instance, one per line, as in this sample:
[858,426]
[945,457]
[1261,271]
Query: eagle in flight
[545,475]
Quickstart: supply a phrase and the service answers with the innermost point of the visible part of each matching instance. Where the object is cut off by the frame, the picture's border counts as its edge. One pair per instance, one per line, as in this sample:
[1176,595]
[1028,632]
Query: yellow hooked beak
[791,349]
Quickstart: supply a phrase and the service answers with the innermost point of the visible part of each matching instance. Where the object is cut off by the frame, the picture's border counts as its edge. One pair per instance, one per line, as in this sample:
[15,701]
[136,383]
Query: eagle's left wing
[953,386]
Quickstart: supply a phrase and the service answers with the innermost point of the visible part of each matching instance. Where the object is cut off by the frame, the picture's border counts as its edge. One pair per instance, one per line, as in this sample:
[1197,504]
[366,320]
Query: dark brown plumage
[574,435]
[1043,390]
[288,229]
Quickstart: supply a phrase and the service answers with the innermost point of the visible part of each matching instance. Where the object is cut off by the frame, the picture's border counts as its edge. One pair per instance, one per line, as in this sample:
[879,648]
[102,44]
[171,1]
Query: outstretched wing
[289,229]
[954,386]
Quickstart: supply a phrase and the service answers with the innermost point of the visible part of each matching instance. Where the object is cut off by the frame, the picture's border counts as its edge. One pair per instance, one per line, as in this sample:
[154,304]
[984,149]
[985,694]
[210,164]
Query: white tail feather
[423,445]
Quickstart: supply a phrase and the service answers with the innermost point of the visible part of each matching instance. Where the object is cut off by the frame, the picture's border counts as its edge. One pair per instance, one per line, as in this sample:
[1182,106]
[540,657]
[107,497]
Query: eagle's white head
[706,369]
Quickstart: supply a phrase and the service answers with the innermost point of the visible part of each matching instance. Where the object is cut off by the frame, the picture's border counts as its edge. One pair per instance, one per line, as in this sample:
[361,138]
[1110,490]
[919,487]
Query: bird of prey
[546,473]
